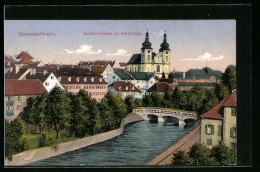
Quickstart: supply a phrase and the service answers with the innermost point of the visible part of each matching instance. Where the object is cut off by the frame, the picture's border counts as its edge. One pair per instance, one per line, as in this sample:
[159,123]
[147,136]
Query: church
[149,61]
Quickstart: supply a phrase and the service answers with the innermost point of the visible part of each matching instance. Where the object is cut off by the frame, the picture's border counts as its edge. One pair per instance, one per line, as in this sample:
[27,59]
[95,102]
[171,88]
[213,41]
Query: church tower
[165,53]
[146,52]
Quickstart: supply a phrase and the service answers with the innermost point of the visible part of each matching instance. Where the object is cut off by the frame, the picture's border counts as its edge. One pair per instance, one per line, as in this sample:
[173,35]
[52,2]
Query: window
[233,146]
[77,79]
[126,87]
[100,79]
[158,68]
[166,52]
[219,130]
[119,88]
[148,57]
[46,84]
[166,58]
[51,77]
[233,112]
[233,132]
[114,77]
[148,51]
[92,79]
[209,142]
[18,98]
[209,129]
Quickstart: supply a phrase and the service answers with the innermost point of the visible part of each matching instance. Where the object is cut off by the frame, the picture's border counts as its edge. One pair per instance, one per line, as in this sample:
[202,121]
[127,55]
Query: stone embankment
[185,143]
[46,152]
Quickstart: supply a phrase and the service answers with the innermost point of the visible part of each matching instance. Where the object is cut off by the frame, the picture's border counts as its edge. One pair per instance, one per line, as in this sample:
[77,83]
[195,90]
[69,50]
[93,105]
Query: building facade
[149,61]
[219,123]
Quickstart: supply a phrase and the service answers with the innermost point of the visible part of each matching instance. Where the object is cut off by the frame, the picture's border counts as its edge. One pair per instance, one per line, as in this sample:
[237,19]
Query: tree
[14,143]
[171,75]
[156,99]
[200,154]
[130,103]
[147,101]
[181,158]
[38,117]
[106,114]
[138,103]
[58,109]
[221,91]
[223,154]
[180,99]
[28,111]
[79,118]
[210,101]
[163,75]
[229,78]
[94,121]
[167,99]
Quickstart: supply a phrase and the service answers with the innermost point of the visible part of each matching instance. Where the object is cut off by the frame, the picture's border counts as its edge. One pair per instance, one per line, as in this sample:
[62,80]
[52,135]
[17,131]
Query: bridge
[166,115]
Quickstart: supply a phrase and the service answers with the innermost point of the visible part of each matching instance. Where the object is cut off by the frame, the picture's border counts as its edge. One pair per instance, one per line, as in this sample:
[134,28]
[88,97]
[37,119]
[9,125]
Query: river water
[140,142]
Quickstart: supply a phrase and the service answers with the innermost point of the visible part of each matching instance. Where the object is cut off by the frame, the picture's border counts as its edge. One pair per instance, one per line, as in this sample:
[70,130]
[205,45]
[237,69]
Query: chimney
[17,68]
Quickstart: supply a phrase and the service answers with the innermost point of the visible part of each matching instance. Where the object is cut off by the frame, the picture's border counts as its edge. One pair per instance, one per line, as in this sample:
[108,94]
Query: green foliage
[200,154]
[210,101]
[138,103]
[229,78]
[14,143]
[181,158]
[156,99]
[167,99]
[221,91]
[130,103]
[58,109]
[47,140]
[147,101]
[223,154]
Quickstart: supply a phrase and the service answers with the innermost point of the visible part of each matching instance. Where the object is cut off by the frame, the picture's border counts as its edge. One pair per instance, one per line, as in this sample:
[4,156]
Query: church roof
[135,59]
[164,45]
[124,76]
[146,44]
[143,75]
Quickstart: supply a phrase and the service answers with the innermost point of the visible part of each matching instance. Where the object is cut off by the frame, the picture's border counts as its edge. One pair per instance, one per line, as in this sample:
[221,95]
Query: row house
[219,123]
[125,89]
[160,87]
[16,94]
[94,85]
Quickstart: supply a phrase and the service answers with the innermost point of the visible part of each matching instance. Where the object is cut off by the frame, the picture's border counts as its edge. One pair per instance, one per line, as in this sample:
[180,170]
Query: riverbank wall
[31,156]
[185,143]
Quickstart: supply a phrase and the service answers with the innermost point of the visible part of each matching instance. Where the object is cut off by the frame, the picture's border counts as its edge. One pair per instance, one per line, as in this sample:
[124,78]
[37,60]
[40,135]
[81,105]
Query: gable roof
[215,112]
[25,61]
[160,87]
[135,59]
[122,64]
[24,87]
[124,76]
[120,86]
[24,55]
[118,70]
[98,69]
[38,75]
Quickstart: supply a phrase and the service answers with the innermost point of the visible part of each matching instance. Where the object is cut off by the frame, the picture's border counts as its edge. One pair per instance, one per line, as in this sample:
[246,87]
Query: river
[140,142]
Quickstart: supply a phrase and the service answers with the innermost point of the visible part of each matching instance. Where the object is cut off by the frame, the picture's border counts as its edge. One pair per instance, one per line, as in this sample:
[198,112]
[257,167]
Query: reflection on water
[138,142]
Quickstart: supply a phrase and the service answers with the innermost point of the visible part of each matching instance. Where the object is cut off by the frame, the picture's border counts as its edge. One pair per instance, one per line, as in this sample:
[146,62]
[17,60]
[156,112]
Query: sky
[192,42]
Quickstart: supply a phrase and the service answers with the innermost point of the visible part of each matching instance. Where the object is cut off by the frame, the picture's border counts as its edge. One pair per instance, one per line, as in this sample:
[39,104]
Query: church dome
[164,45]
[147,44]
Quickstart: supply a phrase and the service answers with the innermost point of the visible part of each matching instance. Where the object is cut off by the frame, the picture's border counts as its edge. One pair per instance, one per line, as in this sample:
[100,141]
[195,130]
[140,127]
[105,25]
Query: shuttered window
[209,129]
[233,111]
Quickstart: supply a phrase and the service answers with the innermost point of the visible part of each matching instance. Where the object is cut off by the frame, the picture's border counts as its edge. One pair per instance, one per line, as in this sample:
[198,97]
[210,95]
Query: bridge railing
[170,143]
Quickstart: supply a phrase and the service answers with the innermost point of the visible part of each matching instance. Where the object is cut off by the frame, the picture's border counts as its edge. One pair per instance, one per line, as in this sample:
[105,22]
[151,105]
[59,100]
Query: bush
[181,158]
[46,140]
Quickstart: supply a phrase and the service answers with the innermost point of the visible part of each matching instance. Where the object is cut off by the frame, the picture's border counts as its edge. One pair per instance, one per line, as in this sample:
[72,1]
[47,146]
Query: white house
[105,71]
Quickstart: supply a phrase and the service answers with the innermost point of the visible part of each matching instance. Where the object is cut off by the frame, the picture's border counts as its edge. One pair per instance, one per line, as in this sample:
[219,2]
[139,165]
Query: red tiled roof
[8,58]
[98,63]
[64,79]
[13,75]
[25,61]
[118,70]
[38,75]
[24,55]
[122,64]
[160,87]
[120,86]
[23,87]
[215,112]
[98,69]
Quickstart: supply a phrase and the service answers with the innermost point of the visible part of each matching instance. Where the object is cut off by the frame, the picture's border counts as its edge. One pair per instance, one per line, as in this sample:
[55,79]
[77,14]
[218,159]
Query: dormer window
[59,79]
[126,87]
[77,79]
[100,79]
[119,88]
[85,79]
[92,79]
[133,88]
[69,79]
